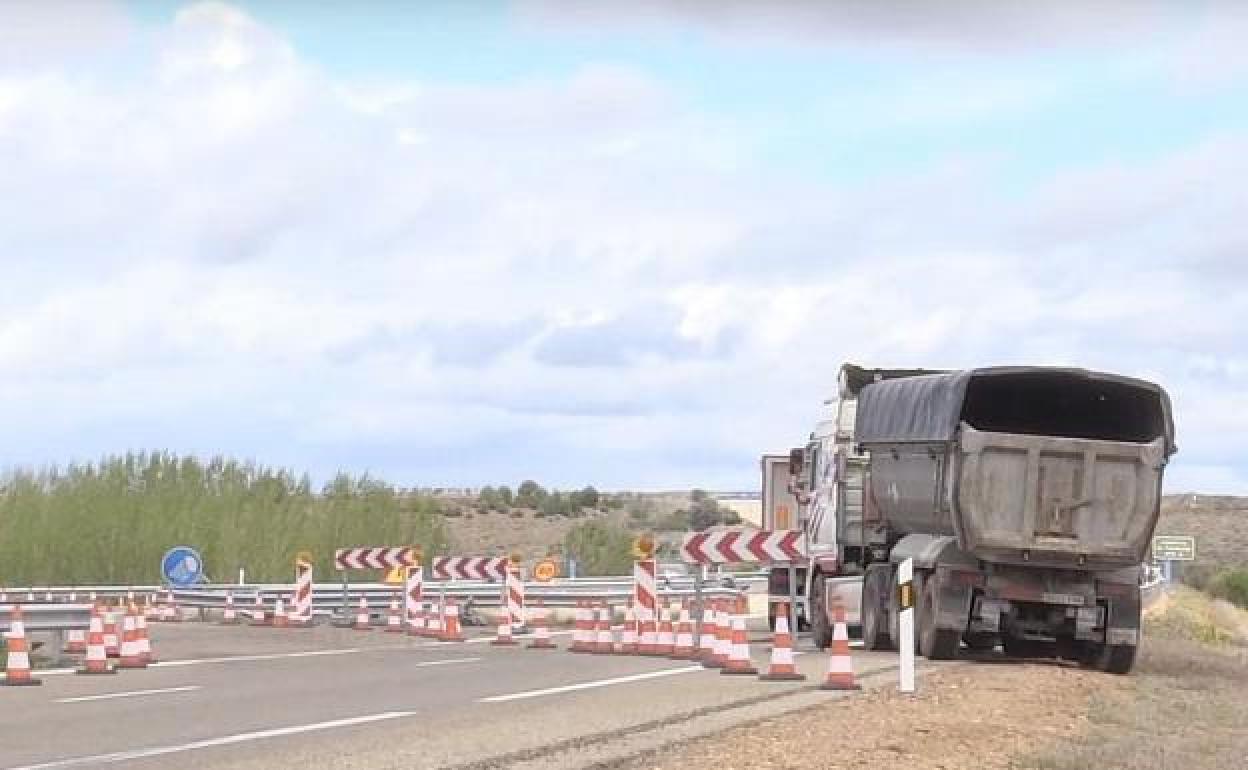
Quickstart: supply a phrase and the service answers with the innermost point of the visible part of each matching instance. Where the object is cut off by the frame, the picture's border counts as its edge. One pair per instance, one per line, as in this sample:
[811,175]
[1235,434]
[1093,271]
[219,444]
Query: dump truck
[1026,496]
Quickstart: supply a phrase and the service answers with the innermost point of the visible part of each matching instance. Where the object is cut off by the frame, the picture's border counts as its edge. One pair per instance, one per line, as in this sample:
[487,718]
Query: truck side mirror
[796,461]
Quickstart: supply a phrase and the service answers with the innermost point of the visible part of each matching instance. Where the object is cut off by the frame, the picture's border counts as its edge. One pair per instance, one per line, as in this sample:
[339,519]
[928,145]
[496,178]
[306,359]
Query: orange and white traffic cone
[628,642]
[416,625]
[578,633]
[145,642]
[17,667]
[229,617]
[258,615]
[781,668]
[683,649]
[723,638]
[840,664]
[739,658]
[541,630]
[112,645]
[436,620]
[603,643]
[666,640]
[362,622]
[75,642]
[279,614]
[394,621]
[451,631]
[173,613]
[504,637]
[706,644]
[96,661]
[131,654]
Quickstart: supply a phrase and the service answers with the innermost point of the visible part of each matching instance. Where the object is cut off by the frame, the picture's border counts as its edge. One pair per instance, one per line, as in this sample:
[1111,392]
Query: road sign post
[905,600]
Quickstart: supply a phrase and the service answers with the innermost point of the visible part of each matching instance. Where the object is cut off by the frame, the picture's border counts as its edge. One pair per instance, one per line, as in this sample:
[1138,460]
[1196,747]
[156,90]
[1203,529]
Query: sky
[620,244]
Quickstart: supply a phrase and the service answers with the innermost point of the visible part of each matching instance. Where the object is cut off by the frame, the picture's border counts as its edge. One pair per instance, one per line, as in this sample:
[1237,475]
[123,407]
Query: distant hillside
[1219,523]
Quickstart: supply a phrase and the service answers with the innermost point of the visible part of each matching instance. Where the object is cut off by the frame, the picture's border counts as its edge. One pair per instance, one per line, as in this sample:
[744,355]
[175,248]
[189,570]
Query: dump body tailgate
[1061,501]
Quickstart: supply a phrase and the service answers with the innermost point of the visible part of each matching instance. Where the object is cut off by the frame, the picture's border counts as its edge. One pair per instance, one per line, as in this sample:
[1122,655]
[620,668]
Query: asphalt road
[326,697]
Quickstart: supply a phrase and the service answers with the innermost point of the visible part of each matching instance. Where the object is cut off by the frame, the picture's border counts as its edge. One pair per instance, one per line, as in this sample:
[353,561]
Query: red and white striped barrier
[301,602]
[645,594]
[413,607]
[470,567]
[376,557]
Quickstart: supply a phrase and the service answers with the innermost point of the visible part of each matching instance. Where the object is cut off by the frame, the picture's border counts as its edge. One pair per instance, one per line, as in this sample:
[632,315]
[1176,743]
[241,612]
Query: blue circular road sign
[182,566]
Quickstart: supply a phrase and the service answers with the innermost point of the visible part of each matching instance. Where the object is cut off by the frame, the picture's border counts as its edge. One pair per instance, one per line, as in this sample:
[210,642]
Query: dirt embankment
[1183,707]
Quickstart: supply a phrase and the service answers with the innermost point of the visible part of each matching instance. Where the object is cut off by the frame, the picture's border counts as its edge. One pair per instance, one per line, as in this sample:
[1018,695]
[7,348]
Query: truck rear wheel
[934,643]
[1116,658]
[875,624]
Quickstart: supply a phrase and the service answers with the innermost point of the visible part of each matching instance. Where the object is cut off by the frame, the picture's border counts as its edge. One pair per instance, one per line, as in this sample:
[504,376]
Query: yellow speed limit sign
[545,570]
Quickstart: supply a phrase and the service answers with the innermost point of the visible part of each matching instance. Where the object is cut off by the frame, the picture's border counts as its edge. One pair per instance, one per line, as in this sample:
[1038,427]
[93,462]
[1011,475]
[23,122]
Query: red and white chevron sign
[470,567]
[378,557]
[729,546]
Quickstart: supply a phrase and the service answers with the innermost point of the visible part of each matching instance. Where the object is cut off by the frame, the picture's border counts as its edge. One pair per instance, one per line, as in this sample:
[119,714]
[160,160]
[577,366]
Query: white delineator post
[905,587]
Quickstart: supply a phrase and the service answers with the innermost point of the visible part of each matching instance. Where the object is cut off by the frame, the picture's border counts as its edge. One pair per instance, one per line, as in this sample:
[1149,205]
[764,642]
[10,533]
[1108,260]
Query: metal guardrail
[48,617]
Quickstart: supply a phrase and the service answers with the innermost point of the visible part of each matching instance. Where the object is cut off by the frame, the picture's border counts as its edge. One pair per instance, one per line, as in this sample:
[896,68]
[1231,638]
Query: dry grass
[1185,704]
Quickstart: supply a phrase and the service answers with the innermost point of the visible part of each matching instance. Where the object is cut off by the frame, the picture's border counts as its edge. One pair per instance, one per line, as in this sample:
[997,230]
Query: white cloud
[581,277]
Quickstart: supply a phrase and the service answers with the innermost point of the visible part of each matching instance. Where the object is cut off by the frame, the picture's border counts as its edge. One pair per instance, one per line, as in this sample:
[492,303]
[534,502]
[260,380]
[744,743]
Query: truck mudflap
[953,606]
[1122,626]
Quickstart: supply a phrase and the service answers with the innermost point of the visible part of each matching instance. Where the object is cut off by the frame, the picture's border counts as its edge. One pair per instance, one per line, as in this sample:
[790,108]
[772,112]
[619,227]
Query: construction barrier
[17,666]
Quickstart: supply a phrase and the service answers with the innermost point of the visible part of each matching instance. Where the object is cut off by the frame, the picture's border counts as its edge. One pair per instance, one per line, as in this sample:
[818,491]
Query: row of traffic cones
[133,649]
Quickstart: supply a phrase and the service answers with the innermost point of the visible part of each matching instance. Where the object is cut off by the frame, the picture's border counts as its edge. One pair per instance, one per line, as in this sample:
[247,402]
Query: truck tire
[875,621]
[980,642]
[1116,658]
[1026,648]
[820,628]
[934,643]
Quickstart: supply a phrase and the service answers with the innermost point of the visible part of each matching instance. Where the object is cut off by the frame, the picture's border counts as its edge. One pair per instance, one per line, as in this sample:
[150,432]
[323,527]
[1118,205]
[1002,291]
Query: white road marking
[130,694]
[250,658]
[447,662]
[591,685]
[226,740]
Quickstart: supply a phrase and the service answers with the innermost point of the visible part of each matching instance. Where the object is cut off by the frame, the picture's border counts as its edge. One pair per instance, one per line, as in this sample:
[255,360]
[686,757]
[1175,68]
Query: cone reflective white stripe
[723,639]
[417,622]
[279,613]
[580,643]
[145,643]
[504,637]
[666,640]
[434,618]
[96,661]
[452,631]
[257,612]
[17,667]
[683,648]
[361,616]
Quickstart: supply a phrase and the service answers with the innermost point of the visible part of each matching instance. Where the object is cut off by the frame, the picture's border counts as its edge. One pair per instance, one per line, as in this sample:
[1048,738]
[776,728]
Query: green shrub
[600,548]
[1231,585]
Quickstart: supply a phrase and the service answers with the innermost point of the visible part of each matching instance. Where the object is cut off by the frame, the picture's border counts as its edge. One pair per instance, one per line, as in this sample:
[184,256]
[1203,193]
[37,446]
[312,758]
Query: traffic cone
[739,657]
[840,663]
[628,644]
[394,621]
[172,610]
[362,622]
[17,668]
[684,649]
[229,617]
[279,614]
[131,654]
[665,642]
[145,642]
[723,638]
[578,629]
[75,642]
[96,661]
[781,668]
[258,617]
[603,643]
[112,645]
[452,632]
[504,637]
[437,620]
[647,639]
[296,618]
[706,644]
[541,631]
[416,625]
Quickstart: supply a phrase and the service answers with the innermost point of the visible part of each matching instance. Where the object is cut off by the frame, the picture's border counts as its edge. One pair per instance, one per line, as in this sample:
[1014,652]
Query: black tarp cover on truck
[1049,401]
